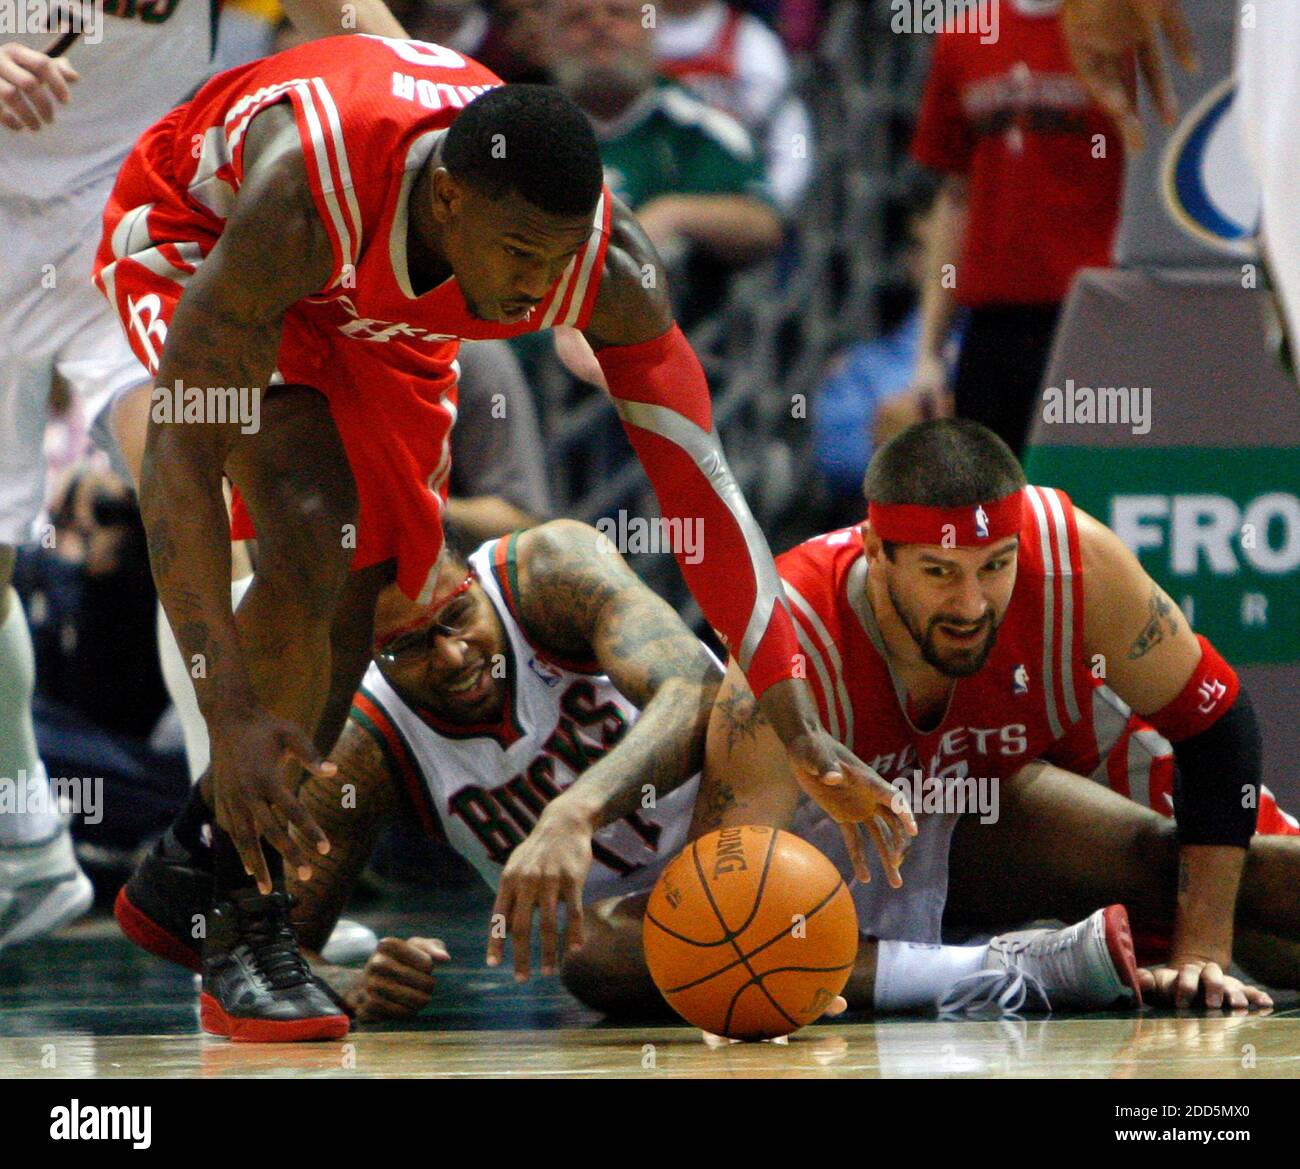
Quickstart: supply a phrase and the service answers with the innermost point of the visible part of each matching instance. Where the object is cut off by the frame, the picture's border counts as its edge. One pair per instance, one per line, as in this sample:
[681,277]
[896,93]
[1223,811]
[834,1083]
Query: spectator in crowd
[99,692]
[868,395]
[517,47]
[1033,173]
[498,466]
[690,172]
[735,62]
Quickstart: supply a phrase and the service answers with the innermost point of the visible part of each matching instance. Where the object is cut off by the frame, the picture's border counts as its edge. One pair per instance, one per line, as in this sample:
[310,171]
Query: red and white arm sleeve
[662,398]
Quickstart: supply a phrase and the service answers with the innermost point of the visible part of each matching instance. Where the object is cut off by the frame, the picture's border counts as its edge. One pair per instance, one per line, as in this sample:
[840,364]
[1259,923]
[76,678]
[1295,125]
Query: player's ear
[871,543]
[447,194]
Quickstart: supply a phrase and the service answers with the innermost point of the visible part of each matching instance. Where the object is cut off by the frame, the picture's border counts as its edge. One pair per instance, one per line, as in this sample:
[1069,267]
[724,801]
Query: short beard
[924,639]
[603,92]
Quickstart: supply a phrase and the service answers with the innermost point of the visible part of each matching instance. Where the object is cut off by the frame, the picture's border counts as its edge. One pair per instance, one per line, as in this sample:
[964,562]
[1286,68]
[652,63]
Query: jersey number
[423,53]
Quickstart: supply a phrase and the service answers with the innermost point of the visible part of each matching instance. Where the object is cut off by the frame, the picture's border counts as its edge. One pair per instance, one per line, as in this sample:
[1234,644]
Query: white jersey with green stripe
[483,787]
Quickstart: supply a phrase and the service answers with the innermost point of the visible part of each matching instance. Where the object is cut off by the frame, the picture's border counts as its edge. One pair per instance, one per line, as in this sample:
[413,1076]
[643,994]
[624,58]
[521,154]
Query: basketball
[750,933]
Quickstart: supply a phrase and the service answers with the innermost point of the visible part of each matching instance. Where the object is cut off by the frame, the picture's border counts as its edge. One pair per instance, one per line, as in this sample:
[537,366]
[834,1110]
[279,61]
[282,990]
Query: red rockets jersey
[369,110]
[1032,689]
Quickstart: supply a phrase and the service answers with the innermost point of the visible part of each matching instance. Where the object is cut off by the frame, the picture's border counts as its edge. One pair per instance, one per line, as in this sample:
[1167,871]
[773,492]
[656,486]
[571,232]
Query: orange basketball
[750,933]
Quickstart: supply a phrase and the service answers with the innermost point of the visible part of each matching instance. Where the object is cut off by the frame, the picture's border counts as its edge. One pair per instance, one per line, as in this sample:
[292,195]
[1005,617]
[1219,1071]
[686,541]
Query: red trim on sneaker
[215,1021]
[1119,941]
[149,935]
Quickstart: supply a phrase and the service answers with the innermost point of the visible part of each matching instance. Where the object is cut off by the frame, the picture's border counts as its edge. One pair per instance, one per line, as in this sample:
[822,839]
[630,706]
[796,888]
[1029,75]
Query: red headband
[949,527]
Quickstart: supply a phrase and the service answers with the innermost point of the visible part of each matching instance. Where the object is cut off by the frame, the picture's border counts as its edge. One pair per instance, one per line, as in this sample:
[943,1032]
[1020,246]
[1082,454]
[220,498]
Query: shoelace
[1045,950]
[265,929]
[992,993]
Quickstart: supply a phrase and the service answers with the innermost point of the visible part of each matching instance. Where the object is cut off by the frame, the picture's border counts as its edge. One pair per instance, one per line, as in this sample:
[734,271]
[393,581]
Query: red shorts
[393,407]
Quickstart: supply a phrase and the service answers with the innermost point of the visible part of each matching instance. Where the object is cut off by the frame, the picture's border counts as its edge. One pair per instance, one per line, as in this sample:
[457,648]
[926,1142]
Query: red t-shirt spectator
[1012,117]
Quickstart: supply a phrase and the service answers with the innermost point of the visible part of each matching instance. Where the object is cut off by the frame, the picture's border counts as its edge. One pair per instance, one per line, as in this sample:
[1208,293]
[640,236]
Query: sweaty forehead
[514,217]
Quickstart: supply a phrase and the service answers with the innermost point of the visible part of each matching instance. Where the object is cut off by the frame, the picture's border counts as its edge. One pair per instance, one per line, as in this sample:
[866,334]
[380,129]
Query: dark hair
[531,140]
[943,462]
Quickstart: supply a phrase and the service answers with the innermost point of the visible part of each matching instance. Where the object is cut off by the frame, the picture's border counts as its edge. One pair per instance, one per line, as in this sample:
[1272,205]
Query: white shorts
[913,913]
[53,323]
[1268,68]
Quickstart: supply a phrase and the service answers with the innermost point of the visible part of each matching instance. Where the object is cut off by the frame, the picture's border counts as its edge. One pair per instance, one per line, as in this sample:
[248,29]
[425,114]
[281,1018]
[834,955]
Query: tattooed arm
[226,332]
[353,807]
[747,775]
[579,599]
[1148,649]
[1149,652]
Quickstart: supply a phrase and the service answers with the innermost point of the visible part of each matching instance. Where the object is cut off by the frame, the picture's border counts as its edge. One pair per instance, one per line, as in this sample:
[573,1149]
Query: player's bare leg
[609,974]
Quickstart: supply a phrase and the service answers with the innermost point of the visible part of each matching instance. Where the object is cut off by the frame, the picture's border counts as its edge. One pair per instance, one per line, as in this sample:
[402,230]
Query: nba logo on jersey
[548,674]
[981,523]
[1020,680]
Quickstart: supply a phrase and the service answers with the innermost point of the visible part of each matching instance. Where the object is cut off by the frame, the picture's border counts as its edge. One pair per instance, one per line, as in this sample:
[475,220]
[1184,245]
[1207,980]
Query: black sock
[228,870]
[187,828]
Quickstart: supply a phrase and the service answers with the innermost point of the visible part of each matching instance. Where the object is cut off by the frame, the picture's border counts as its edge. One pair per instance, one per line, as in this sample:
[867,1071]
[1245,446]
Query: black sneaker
[257,986]
[166,898]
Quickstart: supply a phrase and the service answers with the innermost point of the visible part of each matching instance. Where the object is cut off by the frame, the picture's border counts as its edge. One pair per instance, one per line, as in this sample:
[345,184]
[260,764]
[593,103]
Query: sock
[912,975]
[180,686]
[19,762]
[187,828]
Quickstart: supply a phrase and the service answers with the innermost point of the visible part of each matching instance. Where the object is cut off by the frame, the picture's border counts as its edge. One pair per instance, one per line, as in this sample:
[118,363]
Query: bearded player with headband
[959,632]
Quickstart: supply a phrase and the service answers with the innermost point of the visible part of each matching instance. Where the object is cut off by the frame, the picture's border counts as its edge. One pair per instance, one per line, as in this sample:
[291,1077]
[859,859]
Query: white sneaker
[350,943]
[1086,966]
[41,888]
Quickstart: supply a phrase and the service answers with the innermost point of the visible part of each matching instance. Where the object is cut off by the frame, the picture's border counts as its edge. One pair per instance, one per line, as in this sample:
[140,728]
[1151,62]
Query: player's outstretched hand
[30,83]
[852,795]
[251,799]
[397,981]
[1199,983]
[1111,41]
[547,870]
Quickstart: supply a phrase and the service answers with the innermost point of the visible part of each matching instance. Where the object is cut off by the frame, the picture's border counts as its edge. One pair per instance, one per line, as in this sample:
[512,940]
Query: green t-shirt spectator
[670,143]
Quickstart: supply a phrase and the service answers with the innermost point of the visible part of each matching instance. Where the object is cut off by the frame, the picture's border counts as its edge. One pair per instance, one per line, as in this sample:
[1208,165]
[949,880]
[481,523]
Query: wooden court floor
[87,1004]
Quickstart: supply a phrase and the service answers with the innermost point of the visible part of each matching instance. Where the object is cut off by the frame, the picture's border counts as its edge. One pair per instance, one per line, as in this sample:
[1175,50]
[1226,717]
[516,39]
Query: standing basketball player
[66,124]
[343,214]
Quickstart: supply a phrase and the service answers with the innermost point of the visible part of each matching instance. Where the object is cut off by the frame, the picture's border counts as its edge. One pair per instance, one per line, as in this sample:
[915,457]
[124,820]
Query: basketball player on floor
[567,776]
[66,124]
[354,210]
[959,632]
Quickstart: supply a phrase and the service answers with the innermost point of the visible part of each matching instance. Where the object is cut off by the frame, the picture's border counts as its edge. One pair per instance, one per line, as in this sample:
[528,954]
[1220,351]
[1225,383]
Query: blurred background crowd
[813,181]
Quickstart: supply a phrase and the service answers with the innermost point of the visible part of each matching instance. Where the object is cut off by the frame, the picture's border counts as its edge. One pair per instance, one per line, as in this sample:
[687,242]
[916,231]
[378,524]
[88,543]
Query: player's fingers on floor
[1214,985]
[521,931]
[389,970]
[575,935]
[384,1002]
[548,907]
[404,953]
[500,916]
[1186,986]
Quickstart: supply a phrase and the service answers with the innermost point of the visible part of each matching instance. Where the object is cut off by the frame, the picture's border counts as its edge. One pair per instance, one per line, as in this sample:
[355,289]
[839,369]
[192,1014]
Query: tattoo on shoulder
[1161,623]
[743,716]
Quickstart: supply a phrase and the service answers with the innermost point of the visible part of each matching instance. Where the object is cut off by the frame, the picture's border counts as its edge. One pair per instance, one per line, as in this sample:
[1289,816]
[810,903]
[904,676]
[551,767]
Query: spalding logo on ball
[750,933]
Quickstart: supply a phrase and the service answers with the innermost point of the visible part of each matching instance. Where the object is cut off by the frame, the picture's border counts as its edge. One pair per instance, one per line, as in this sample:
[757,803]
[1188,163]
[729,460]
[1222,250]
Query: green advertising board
[1219,529]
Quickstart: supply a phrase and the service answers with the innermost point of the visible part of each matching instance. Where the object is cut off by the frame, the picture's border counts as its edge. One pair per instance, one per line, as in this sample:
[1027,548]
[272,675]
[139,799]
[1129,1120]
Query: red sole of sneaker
[149,935]
[1119,941]
[215,1021]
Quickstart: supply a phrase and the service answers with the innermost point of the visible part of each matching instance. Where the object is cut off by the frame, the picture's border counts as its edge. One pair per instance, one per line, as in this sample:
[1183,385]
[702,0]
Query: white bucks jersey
[483,787]
[137,59]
